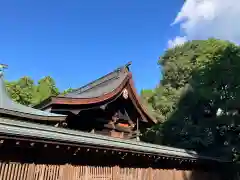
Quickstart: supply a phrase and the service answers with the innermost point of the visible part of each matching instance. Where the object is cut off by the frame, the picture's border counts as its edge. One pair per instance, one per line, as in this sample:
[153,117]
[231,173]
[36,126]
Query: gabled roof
[101,90]
[9,107]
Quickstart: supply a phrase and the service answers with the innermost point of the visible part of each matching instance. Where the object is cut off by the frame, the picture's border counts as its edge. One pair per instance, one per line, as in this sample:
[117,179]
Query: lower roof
[33,130]
[9,107]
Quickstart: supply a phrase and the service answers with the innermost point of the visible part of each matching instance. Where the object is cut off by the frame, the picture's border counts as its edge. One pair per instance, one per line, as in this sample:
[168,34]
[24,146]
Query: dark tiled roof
[101,86]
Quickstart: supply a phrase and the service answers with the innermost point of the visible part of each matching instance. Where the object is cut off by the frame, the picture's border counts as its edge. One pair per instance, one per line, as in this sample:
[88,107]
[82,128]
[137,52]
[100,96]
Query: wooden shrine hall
[109,105]
[62,144]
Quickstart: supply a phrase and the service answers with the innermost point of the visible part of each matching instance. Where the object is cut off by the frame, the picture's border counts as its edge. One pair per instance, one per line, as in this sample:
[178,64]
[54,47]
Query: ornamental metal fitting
[2,67]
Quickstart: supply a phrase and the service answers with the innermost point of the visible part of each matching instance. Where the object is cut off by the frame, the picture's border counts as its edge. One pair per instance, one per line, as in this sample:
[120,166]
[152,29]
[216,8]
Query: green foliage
[24,90]
[21,90]
[67,91]
[147,100]
[199,77]
[46,87]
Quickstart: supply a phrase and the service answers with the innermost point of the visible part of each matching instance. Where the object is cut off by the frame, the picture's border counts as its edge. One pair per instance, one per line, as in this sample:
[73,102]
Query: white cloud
[202,19]
[177,41]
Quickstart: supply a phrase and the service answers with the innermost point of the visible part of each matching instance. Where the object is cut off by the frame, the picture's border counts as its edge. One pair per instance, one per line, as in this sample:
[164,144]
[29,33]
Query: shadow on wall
[199,176]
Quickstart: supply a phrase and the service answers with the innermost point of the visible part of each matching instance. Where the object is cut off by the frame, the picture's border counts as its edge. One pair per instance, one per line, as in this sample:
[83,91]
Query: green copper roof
[32,130]
[8,106]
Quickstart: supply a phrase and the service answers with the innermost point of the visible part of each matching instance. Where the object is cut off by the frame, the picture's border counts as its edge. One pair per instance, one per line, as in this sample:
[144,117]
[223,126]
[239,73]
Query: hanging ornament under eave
[125,94]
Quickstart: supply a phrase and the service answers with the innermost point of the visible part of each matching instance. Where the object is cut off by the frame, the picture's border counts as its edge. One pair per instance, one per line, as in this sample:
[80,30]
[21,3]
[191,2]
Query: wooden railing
[18,171]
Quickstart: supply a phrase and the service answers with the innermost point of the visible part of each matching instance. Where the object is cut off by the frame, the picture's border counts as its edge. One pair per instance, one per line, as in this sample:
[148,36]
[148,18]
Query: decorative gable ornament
[125,94]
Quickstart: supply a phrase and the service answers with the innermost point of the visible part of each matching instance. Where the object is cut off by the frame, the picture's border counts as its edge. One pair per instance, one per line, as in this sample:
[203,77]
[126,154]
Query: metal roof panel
[33,130]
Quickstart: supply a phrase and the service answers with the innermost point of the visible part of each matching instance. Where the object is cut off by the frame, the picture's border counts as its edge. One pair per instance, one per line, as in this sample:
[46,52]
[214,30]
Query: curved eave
[126,83]
[138,104]
[82,101]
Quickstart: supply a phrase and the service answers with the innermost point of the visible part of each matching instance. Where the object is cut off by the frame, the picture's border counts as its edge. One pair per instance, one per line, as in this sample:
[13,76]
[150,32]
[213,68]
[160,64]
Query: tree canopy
[197,99]
[26,92]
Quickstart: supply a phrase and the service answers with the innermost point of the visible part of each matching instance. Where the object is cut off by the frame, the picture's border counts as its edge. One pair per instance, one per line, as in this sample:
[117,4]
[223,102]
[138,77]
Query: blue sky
[78,41]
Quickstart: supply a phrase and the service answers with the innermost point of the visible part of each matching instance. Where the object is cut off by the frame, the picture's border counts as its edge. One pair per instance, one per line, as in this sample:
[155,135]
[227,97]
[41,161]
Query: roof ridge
[88,85]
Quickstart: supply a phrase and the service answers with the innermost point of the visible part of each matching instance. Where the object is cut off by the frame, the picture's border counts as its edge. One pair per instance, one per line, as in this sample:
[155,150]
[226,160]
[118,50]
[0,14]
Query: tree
[21,90]
[25,92]
[67,91]
[46,87]
[199,78]
[147,101]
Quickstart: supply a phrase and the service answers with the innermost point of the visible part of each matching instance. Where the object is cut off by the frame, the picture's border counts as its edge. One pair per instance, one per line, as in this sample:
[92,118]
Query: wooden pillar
[86,173]
[139,173]
[30,174]
[116,173]
[150,174]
